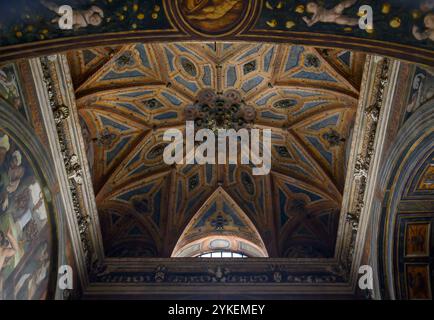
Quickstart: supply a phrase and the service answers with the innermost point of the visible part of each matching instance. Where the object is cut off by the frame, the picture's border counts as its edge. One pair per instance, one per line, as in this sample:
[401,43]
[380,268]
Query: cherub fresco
[92,16]
[428,32]
[334,15]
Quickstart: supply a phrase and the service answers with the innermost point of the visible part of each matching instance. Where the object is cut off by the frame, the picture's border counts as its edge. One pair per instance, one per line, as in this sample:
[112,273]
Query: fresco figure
[335,15]
[209,10]
[36,271]
[81,18]
[16,171]
[8,247]
[215,16]
[13,177]
[427,5]
[428,33]
[422,89]
[24,235]
[4,147]
[9,88]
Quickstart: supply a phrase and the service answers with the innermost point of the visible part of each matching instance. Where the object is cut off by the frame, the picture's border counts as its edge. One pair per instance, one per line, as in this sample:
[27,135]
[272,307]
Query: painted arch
[27,29]
[406,240]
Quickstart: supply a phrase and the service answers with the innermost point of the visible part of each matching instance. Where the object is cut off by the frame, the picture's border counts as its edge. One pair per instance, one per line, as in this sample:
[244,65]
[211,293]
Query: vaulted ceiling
[128,96]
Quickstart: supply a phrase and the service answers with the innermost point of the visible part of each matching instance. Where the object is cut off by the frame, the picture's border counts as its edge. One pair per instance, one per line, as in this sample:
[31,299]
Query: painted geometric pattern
[127,97]
[307,218]
[220,216]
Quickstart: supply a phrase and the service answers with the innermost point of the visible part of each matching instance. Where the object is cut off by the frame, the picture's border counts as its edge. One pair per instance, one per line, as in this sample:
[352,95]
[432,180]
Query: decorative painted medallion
[213,17]
[220,111]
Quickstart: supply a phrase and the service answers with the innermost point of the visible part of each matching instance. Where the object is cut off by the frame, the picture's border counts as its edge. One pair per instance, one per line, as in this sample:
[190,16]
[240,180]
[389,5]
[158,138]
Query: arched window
[222,254]
[220,247]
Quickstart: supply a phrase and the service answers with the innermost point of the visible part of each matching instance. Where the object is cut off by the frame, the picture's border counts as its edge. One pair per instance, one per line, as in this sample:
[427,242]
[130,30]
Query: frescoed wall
[25,241]
[31,208]
[10,88]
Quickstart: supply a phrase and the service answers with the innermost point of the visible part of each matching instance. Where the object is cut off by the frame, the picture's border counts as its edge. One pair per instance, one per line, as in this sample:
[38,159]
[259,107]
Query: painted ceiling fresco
[399,25]
[128,96]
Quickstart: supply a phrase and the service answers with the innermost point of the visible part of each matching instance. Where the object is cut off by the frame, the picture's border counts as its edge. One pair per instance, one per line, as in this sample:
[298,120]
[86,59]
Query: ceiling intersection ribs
[135,149]
[56,96]
[280,55]
[179,226]
[223,57]
[165,74]
[378,88]
[342,76]
[162,66]
[84,100]
[307,183]
[170,213]
[325,172]
[104,108]
[330,107]
[87,94]
[78,63]
[272,235]
[106,177]
[112,190]
[316,87]
[97,72]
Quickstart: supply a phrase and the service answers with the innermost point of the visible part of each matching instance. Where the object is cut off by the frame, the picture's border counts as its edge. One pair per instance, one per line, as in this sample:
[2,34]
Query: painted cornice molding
[56,98]
[378,89]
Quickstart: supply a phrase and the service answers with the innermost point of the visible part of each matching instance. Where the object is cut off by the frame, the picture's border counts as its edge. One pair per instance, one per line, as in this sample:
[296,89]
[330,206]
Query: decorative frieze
[61,113]
[365,151]
[217,274]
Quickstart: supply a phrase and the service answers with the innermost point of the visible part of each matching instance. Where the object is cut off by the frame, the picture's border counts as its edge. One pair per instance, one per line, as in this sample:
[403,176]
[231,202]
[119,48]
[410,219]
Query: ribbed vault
[128,96]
